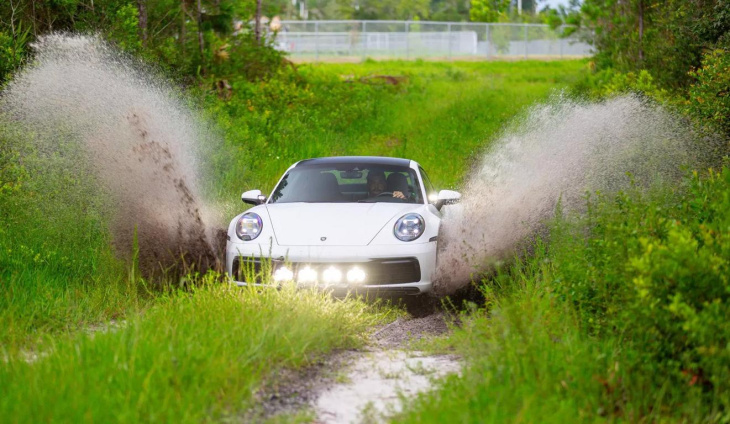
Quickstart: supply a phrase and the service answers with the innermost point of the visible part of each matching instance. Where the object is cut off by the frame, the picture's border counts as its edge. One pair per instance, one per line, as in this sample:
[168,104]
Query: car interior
[349,186]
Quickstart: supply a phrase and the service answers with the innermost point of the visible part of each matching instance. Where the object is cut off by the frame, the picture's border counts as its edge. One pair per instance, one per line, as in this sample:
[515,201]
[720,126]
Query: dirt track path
[365,385]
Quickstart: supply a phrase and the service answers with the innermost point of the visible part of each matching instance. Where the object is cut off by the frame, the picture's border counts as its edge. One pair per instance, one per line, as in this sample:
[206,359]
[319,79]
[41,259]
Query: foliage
[449,10]
[607,83]
[380,9]
[681,291]
[489,10]
[167,33]
[709,96]
[12,53]
[655,270]
[666,38]
[124,29]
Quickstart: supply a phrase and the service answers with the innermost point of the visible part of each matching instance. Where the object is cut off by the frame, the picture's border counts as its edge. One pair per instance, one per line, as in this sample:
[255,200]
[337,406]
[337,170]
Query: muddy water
[136,133]
[556,153]
[378,382]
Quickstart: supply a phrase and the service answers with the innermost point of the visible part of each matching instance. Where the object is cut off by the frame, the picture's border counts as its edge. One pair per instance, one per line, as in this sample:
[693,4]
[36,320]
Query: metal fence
[357,40]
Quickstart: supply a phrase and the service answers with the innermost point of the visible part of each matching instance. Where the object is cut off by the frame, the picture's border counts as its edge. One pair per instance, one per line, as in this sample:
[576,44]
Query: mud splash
[136,135]
[557,151]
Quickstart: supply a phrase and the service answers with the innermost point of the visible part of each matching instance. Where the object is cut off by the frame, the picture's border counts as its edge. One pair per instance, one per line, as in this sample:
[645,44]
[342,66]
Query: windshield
[348,183]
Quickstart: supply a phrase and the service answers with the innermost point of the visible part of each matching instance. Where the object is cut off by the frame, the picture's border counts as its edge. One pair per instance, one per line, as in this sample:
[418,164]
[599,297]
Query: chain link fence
[357,40]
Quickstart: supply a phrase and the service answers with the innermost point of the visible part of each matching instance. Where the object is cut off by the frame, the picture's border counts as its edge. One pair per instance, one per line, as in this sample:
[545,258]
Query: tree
[489,10]
[666,37]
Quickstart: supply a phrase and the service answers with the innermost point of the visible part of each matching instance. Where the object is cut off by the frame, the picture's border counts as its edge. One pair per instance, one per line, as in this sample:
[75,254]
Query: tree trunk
[12,18]
[257,20]
[641,31]
[142,9]
[183,20]
[200,30]
[35,27]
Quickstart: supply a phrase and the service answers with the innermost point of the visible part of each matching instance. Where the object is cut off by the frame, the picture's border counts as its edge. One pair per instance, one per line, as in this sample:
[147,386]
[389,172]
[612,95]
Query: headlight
[332,275]
[283,274]
[409,227]
[249,226]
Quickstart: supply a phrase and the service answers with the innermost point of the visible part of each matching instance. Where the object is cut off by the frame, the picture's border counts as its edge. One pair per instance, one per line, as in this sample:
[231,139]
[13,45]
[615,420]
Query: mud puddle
[379,383]
[365,385]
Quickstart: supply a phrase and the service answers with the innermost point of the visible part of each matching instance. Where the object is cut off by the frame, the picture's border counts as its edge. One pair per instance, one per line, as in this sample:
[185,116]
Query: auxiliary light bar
[330,275]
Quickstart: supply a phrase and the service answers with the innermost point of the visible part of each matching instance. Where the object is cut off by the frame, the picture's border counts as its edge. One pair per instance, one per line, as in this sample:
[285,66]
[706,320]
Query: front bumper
[395,269]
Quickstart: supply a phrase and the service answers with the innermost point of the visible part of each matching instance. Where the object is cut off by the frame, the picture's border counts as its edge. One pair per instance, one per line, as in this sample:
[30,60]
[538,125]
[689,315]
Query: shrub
[609,82]
[653,270]
[12,52]
[709,96]
[681,288]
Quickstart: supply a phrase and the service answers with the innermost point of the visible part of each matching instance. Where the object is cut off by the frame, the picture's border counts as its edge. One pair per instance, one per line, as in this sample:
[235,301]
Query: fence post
[449,37]
[525,25]
[364,41]
[489,40]
[316,41]
[408,42]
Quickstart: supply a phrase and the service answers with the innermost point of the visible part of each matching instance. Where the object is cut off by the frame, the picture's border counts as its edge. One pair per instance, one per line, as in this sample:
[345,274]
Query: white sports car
[351,223]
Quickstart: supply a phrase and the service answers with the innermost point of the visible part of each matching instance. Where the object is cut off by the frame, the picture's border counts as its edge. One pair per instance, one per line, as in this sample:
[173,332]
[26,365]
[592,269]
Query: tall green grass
[191,357]
[58,270]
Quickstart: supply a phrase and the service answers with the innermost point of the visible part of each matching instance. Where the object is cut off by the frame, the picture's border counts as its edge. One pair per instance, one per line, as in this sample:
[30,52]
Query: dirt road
[367,384]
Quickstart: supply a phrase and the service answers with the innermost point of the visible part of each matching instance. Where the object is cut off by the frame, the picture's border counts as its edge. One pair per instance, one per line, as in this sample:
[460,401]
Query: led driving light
[283,274]
[249,226]
[306,275]
[409,227]
[332,275]
[356,275]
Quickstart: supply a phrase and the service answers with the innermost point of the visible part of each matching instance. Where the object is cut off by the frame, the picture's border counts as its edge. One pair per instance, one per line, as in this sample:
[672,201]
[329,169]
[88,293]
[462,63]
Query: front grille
[393,271]
[377,271]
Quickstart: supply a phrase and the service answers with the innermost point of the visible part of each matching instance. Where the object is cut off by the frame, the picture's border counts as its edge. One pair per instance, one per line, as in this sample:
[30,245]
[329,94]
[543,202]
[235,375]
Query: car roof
[365,160]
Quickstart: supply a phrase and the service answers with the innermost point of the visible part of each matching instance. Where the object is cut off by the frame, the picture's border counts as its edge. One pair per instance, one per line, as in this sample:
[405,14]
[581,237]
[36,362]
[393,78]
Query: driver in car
[377,185]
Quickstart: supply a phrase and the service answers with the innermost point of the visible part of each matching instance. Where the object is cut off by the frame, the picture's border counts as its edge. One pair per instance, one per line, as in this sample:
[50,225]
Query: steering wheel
[385,193]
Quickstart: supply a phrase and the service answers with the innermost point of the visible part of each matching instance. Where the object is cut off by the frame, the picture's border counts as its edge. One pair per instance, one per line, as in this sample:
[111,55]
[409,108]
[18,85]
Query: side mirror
[253,197]
[446,197]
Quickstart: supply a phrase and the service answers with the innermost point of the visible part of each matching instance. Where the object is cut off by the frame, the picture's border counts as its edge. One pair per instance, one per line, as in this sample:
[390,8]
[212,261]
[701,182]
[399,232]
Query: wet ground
[366,385]
[378,383]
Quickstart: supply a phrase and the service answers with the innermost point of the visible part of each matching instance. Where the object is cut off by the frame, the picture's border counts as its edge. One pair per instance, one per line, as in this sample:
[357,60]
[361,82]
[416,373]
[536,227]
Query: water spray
[556,152]
[137,135]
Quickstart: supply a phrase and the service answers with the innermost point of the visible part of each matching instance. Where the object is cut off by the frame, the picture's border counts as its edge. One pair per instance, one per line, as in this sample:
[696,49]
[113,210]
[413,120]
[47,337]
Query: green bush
[681,288]
[610,82]
[709,96]
[653,269]
[12,52]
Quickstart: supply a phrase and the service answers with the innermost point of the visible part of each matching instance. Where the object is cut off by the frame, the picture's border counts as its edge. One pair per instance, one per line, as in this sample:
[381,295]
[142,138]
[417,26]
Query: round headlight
[249,226]
[409,227]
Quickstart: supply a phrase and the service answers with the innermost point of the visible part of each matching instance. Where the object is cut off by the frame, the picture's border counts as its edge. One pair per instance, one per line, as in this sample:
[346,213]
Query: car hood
[340,224]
